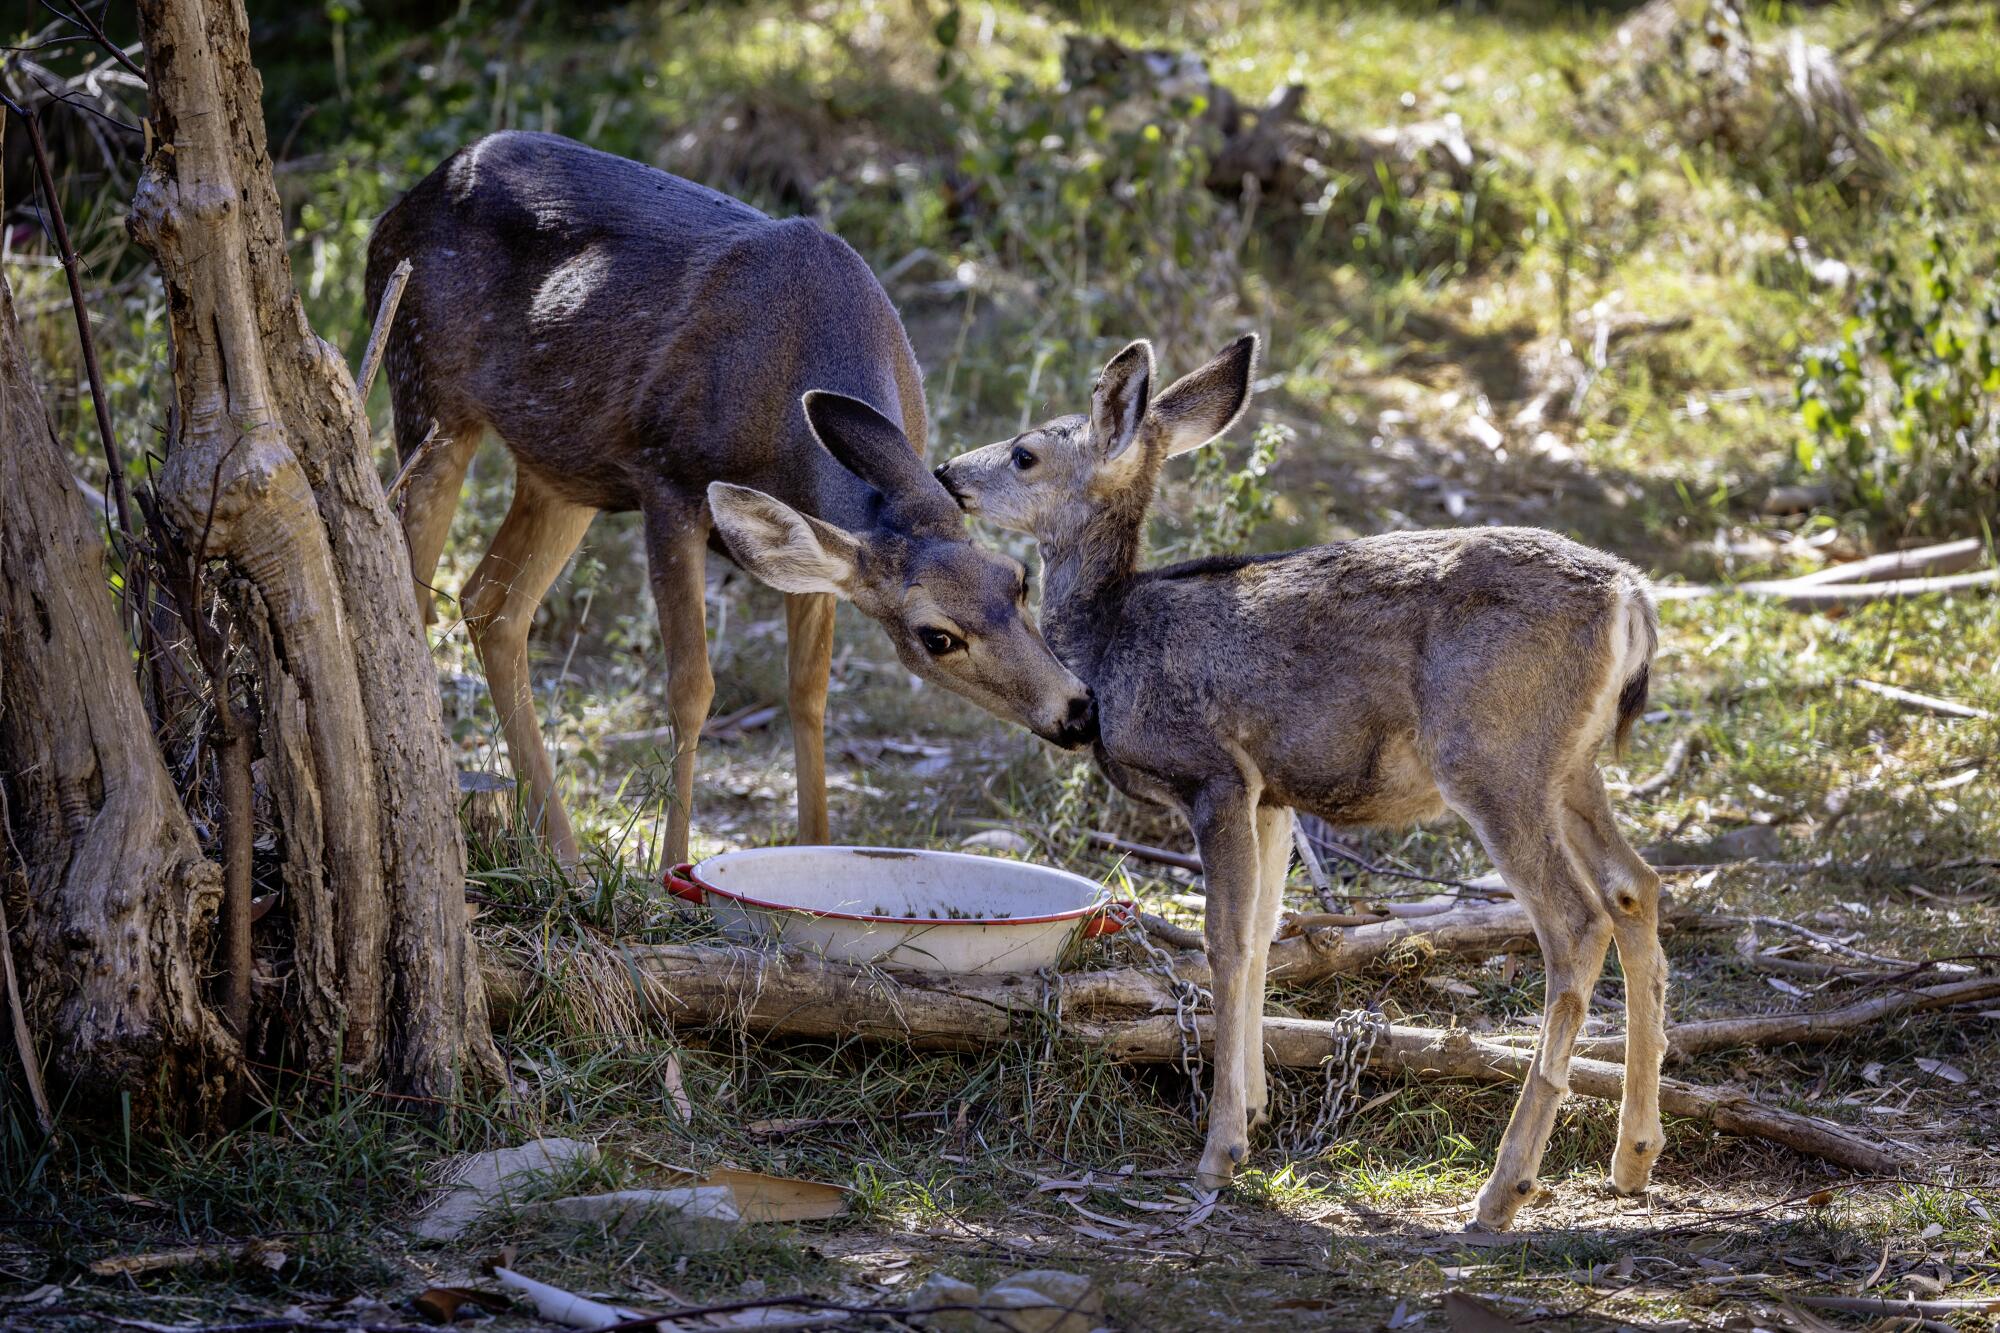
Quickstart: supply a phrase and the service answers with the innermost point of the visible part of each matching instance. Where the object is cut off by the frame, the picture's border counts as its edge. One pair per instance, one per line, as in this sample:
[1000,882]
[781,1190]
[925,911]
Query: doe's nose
[1079,726]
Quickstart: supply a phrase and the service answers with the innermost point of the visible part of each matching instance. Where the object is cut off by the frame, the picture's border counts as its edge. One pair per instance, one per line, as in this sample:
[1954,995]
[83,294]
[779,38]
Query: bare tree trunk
[102,868]
[270,472]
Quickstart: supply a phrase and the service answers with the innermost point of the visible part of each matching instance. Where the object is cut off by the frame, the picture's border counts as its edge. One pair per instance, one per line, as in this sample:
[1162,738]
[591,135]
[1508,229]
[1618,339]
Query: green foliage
[1112,221]
[1902,414]
[1222,503]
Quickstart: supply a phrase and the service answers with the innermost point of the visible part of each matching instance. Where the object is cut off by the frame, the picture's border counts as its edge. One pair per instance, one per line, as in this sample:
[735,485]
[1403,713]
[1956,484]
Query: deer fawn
[1377,681]
[632,338]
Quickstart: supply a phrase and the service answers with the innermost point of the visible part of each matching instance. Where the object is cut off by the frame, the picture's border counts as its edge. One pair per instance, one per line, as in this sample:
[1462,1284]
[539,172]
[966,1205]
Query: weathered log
[113,897]
[794,995]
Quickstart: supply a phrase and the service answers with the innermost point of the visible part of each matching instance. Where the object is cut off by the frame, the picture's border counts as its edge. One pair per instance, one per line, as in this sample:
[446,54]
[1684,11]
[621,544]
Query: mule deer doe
[632,338]
[1376,681]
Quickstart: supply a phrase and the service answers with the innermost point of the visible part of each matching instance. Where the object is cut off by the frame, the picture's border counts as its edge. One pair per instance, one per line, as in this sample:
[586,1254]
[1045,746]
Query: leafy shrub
[1902,414]
[1218,505]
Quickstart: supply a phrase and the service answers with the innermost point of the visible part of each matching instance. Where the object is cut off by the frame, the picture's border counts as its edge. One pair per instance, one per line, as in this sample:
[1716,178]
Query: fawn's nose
[1079,726]
[943,473]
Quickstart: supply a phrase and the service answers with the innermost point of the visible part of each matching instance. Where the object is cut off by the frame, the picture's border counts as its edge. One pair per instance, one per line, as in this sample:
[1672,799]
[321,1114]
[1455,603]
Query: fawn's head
[956,612]
[1054,479]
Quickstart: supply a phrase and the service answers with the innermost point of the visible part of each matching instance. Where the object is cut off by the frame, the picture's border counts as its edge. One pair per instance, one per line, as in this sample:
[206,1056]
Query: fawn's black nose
[943,473]
[1079,728]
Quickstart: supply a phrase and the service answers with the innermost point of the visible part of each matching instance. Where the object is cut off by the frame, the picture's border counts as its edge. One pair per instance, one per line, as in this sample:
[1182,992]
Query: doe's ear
[1204,403]
[1118,403]
[792,552]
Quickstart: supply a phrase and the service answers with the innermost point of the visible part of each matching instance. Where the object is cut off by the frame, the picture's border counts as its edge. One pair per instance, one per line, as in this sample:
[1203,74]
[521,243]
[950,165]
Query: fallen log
[793,995]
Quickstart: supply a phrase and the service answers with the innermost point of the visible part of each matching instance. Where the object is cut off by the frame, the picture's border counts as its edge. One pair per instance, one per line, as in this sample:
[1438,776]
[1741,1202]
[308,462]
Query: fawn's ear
[1204,403]
[1118,403]
[792,552]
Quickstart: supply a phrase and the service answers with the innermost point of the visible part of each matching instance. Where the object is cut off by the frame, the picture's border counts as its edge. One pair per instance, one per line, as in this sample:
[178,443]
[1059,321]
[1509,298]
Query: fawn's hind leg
[1224,817]
[1630,890]
[1274,858]
[1521,829]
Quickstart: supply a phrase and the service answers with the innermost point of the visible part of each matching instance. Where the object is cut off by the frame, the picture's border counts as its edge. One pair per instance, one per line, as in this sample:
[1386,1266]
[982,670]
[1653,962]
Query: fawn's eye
[1023,458]
[939,642]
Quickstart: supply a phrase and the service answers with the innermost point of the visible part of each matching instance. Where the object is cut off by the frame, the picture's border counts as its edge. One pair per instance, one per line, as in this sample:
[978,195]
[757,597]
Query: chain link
[1355,1033]
[1189,1002]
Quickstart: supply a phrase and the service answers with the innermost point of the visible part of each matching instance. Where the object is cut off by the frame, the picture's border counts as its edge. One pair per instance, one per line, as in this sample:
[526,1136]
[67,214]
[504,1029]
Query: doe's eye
[939,642]
[1023,458]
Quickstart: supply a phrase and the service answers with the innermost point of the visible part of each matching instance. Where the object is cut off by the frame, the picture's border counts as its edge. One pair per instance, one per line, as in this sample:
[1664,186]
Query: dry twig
[378,337]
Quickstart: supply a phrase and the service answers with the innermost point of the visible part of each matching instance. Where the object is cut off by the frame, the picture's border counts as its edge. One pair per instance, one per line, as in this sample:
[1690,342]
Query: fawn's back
[622,329]
[1346,673]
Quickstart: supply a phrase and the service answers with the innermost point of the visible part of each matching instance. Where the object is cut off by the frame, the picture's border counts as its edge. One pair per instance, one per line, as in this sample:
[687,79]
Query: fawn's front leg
[1225,831]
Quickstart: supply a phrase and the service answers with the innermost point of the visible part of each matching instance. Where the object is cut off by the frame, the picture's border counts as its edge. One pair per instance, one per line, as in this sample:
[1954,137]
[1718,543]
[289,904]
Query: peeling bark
[102,868]
[271,473]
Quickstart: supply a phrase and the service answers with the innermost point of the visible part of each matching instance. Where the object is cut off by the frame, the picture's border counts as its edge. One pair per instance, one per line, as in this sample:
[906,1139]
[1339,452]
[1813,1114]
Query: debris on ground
[1042,1300]
[698,1217]
[485,1181]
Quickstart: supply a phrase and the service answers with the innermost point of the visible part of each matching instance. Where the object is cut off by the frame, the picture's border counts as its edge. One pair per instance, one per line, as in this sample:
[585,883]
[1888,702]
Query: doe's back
[623,329]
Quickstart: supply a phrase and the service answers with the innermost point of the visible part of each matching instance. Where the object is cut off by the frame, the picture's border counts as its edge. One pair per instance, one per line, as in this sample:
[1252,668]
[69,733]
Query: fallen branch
[262,1252]
[1809,1029]
[1157,855]
[1801,595]
[1923,703]
[1944,558]
[1678,755]
[794,995]
[1893,1306]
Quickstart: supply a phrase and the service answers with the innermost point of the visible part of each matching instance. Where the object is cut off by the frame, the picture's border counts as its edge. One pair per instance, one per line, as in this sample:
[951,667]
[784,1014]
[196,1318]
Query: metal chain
[1355,1032]
[1189,1001]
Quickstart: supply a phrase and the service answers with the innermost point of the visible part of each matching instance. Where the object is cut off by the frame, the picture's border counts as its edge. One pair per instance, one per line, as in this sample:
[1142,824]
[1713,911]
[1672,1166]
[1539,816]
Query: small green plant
[1221,503]
[1902,414]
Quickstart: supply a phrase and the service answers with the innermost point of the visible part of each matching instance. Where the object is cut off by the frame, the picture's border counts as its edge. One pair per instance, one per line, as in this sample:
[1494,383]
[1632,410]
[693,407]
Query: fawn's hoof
[1218,1165]
[1632,1165]
[1496,1206]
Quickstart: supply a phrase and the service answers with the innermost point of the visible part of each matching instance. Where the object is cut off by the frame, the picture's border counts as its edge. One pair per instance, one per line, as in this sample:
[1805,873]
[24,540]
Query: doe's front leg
[1225,830]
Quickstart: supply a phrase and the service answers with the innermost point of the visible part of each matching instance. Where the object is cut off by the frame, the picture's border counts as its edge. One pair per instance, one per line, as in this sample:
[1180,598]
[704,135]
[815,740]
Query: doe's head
[1052,478]
[956,612]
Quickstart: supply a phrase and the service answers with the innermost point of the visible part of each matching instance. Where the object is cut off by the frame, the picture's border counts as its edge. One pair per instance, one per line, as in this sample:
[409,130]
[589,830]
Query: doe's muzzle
[1079,726]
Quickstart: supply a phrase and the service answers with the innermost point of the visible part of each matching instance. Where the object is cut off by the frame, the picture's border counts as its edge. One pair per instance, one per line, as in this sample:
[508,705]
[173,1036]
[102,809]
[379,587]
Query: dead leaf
[762,1198]
[1469,1314]
[1943,1069]
[1780,984]
[1451,986]
[504,1259]
[1819,1198]
[440,1305]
